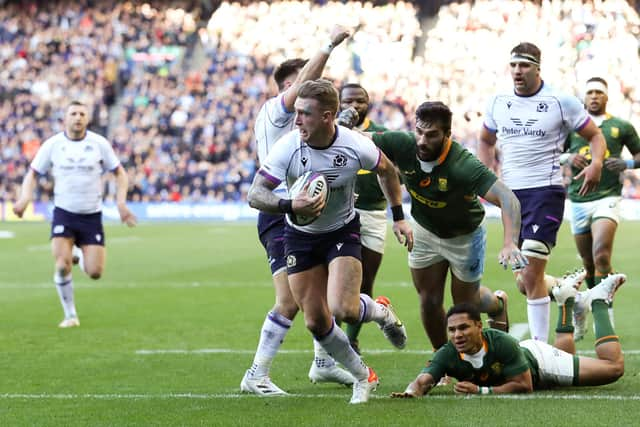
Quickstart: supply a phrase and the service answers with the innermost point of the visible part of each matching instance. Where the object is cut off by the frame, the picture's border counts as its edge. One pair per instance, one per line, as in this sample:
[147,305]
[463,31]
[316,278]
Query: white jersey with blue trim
[339,163]
[531,131]
[272,122]
[77,168]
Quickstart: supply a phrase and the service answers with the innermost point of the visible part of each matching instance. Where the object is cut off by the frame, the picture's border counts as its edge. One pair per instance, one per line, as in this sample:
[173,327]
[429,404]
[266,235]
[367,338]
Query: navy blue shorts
[271,234]
[84,229]
[542,212]
[306,250]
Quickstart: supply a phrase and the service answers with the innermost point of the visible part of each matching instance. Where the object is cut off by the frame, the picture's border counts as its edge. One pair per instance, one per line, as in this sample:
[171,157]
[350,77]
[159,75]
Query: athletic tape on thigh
[536,249]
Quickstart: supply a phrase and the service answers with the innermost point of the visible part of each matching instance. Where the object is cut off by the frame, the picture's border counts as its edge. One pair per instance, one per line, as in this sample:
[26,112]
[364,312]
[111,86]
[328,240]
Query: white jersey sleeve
[41,163]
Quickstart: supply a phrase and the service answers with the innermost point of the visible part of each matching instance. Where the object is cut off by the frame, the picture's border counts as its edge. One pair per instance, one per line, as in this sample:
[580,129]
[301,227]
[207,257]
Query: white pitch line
[147,352]
[162,285]
[223,396]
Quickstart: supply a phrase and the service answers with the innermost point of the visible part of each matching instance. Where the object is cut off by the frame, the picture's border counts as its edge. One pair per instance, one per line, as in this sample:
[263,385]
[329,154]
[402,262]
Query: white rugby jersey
[77,168]
[531,132]
[339,163]
[272,123]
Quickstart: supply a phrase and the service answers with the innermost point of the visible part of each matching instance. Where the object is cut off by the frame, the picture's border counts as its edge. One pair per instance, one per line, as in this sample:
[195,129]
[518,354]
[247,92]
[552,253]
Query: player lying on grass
[490,361]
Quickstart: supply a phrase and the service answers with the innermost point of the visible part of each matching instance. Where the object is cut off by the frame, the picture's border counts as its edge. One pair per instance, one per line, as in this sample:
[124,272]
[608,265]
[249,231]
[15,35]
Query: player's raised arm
[313,69]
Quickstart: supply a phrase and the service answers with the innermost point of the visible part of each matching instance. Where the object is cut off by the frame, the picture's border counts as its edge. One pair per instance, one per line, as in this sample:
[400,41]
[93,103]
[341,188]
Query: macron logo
[339,246]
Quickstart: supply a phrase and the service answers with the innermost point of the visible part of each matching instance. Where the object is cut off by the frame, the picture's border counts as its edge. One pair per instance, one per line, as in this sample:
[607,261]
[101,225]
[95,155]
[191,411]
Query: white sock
[371,310]
[64,286]
[274,329]
[538,313]
[337,345]
[322,359]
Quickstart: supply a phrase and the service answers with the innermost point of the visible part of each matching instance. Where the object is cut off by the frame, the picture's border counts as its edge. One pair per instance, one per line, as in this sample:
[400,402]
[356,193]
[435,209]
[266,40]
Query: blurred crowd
[177,91]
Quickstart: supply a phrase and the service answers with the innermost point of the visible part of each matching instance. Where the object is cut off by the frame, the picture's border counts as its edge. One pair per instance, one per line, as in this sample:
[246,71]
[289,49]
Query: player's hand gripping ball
[317,185]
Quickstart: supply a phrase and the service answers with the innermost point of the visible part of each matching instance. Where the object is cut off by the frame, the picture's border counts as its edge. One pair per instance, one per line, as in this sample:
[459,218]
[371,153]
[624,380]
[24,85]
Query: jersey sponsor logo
[523,131]
[331,177]
[291,261]
[425,182]
[585,151]
[340,161]
[430,203]
[542,107]
[442,184]
[615,132]
[518,122]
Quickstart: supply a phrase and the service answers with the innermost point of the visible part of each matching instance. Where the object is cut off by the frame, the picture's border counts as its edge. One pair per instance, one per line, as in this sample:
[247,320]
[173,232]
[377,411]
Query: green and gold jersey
[369,195]
[445,200]
[618,133]
[503,358]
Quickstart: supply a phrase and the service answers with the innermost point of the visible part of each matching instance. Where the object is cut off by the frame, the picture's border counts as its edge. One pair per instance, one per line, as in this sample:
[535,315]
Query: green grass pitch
[170,328]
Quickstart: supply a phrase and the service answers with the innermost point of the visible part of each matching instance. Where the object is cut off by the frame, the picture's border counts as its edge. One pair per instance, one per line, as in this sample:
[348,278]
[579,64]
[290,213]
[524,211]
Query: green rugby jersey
[444,201]
[370,196]
[504,358]
[618,133]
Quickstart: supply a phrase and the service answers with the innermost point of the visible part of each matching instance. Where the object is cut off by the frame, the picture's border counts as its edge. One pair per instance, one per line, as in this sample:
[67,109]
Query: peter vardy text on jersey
[523,131]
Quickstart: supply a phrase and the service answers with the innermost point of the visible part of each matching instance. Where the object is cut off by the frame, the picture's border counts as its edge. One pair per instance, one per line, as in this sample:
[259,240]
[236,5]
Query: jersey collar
[485,347]
[445,151]
[365,124]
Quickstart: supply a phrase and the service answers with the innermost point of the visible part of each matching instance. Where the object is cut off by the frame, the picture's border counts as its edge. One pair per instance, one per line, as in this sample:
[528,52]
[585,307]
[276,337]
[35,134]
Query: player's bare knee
[63,266]
[286,308]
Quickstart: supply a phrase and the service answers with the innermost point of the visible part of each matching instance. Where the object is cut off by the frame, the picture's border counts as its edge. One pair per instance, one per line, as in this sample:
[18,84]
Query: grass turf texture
[203,290]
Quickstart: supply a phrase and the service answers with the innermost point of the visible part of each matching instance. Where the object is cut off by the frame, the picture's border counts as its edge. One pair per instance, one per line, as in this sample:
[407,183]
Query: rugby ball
[317,185]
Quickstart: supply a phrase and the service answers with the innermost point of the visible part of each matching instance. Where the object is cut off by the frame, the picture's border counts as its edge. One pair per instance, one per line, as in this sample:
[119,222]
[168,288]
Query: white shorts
[583,214]
[465,254]
[555,366]
[373,229]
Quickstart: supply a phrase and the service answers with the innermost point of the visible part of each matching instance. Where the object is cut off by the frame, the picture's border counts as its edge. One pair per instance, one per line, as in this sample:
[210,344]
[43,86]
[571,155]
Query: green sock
[565,317]
[353,331]
[604,330]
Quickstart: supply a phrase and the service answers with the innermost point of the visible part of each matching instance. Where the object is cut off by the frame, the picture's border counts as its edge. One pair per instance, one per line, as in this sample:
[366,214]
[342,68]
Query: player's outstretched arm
[122,186]
[313,69]
[26,192]
[390,185]
[521,383]
[417,388]
[500,195]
